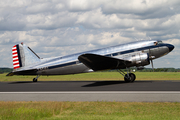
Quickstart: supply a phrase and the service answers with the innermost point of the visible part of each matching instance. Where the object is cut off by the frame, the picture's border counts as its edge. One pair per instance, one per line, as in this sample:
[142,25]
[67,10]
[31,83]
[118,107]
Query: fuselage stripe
[15,63]
[19,57]
[114,54]
[16,67]
[15,57]
[15,60]
[14,48]
[15,52]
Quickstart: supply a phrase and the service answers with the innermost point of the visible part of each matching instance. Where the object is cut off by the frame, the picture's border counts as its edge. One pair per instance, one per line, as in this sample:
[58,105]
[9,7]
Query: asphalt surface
[28,86]
[139,91]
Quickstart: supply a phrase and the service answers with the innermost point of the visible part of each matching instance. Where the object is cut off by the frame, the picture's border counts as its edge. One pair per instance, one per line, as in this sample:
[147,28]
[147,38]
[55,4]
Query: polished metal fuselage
[71,65]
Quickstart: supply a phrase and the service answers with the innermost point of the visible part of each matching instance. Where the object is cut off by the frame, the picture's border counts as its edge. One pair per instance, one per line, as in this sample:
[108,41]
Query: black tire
[131,77]
[34,80]
[134,76]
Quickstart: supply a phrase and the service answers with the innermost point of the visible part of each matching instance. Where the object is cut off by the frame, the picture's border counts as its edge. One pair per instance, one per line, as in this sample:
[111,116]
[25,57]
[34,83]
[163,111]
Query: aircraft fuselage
[130,51]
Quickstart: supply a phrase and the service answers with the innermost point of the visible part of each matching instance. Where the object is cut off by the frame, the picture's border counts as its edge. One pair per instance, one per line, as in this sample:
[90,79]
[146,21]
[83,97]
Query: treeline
[5,70]
[149,70]
[160,70]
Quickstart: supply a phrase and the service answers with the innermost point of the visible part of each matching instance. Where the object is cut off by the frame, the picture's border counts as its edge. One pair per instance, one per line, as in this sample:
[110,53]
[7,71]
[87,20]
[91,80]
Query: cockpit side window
[158,42]
[155,43]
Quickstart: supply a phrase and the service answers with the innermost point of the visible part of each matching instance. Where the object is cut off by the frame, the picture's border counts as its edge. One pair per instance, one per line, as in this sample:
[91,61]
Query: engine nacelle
[140,59]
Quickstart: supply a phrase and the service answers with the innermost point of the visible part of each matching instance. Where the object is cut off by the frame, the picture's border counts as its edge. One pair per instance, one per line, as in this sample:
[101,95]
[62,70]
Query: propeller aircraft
[123,56]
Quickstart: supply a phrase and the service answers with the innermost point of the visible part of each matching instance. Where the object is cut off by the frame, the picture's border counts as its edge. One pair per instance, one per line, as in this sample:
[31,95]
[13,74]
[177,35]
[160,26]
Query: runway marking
[124,96]
[98,92]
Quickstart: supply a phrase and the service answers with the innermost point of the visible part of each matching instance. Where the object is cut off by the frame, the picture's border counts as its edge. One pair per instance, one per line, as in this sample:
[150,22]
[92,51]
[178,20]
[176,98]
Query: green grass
[89,111]
[95,76]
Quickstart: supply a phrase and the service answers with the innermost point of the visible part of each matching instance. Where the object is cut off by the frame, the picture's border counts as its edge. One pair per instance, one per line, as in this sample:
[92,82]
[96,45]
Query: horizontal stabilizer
[23,72]
[98,62]
[10,74]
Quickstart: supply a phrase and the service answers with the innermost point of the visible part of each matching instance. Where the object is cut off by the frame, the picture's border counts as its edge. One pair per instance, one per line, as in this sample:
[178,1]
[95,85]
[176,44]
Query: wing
[99,62]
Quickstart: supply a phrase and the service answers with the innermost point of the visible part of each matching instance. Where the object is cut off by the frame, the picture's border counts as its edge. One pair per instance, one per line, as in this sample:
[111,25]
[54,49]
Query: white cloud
[58,27]
[95,19]
[143,8]
[83,5]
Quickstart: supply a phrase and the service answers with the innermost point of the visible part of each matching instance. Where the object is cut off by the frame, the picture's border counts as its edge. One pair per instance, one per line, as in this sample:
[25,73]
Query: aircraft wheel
[131,77]
[34,80]
[134,76]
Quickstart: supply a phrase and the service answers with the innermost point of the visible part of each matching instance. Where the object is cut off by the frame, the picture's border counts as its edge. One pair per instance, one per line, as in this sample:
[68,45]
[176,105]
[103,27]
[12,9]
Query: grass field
[97,76]
[89,111]
[99,110]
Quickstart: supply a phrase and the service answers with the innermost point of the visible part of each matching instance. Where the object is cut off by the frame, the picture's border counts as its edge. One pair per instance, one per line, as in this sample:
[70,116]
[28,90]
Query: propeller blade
[152,65]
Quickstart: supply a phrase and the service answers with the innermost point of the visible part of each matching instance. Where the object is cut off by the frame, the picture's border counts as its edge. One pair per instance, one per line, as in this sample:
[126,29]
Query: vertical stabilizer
[23,56]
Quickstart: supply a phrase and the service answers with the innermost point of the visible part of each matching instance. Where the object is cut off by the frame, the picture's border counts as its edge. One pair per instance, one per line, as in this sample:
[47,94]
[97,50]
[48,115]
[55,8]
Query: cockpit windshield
[158,42]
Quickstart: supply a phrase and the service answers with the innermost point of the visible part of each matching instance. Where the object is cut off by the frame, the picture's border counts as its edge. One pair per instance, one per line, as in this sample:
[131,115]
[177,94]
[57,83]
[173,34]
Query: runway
[139,91]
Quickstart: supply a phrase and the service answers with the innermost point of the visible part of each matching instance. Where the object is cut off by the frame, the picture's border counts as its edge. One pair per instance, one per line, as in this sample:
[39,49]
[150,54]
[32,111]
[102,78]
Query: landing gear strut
[129,77]
[35,79]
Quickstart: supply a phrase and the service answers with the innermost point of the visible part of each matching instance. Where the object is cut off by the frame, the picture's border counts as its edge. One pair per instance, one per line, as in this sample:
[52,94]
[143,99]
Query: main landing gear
[35,79]
[129,77]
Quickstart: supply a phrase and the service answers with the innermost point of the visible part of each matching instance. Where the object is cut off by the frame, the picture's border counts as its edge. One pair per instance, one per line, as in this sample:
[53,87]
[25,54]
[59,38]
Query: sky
[62,27]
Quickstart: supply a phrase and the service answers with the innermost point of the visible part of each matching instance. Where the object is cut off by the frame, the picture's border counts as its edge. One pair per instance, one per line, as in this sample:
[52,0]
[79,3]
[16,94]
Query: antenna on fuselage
[136,39]
[149,37]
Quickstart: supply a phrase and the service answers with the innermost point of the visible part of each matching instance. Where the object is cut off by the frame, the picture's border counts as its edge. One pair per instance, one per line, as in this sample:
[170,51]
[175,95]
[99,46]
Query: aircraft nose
[171,47]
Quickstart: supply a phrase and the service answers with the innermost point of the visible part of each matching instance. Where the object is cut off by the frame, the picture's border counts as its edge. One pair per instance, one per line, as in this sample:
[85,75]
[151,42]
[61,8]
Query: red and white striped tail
[16,63]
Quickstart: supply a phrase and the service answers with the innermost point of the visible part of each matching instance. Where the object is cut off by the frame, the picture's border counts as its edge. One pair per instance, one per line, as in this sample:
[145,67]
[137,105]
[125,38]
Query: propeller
[152,65]
[151,59]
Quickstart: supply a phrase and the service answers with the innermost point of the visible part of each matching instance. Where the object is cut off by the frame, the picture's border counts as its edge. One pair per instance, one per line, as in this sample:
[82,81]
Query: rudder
[23,56]
[16,57]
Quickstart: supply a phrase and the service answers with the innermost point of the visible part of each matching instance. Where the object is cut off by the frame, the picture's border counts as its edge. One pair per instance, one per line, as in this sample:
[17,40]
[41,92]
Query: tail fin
[23,56]
[16,57]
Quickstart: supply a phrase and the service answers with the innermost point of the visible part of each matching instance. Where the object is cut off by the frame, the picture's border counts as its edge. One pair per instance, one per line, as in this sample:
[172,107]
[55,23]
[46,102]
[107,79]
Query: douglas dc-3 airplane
[123,56]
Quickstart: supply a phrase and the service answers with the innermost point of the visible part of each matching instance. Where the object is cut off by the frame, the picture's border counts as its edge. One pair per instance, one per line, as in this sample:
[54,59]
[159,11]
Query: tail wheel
[34,80]
[130,78]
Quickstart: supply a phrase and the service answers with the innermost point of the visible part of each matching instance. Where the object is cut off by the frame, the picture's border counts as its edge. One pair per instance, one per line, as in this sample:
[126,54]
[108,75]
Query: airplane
[123,56]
